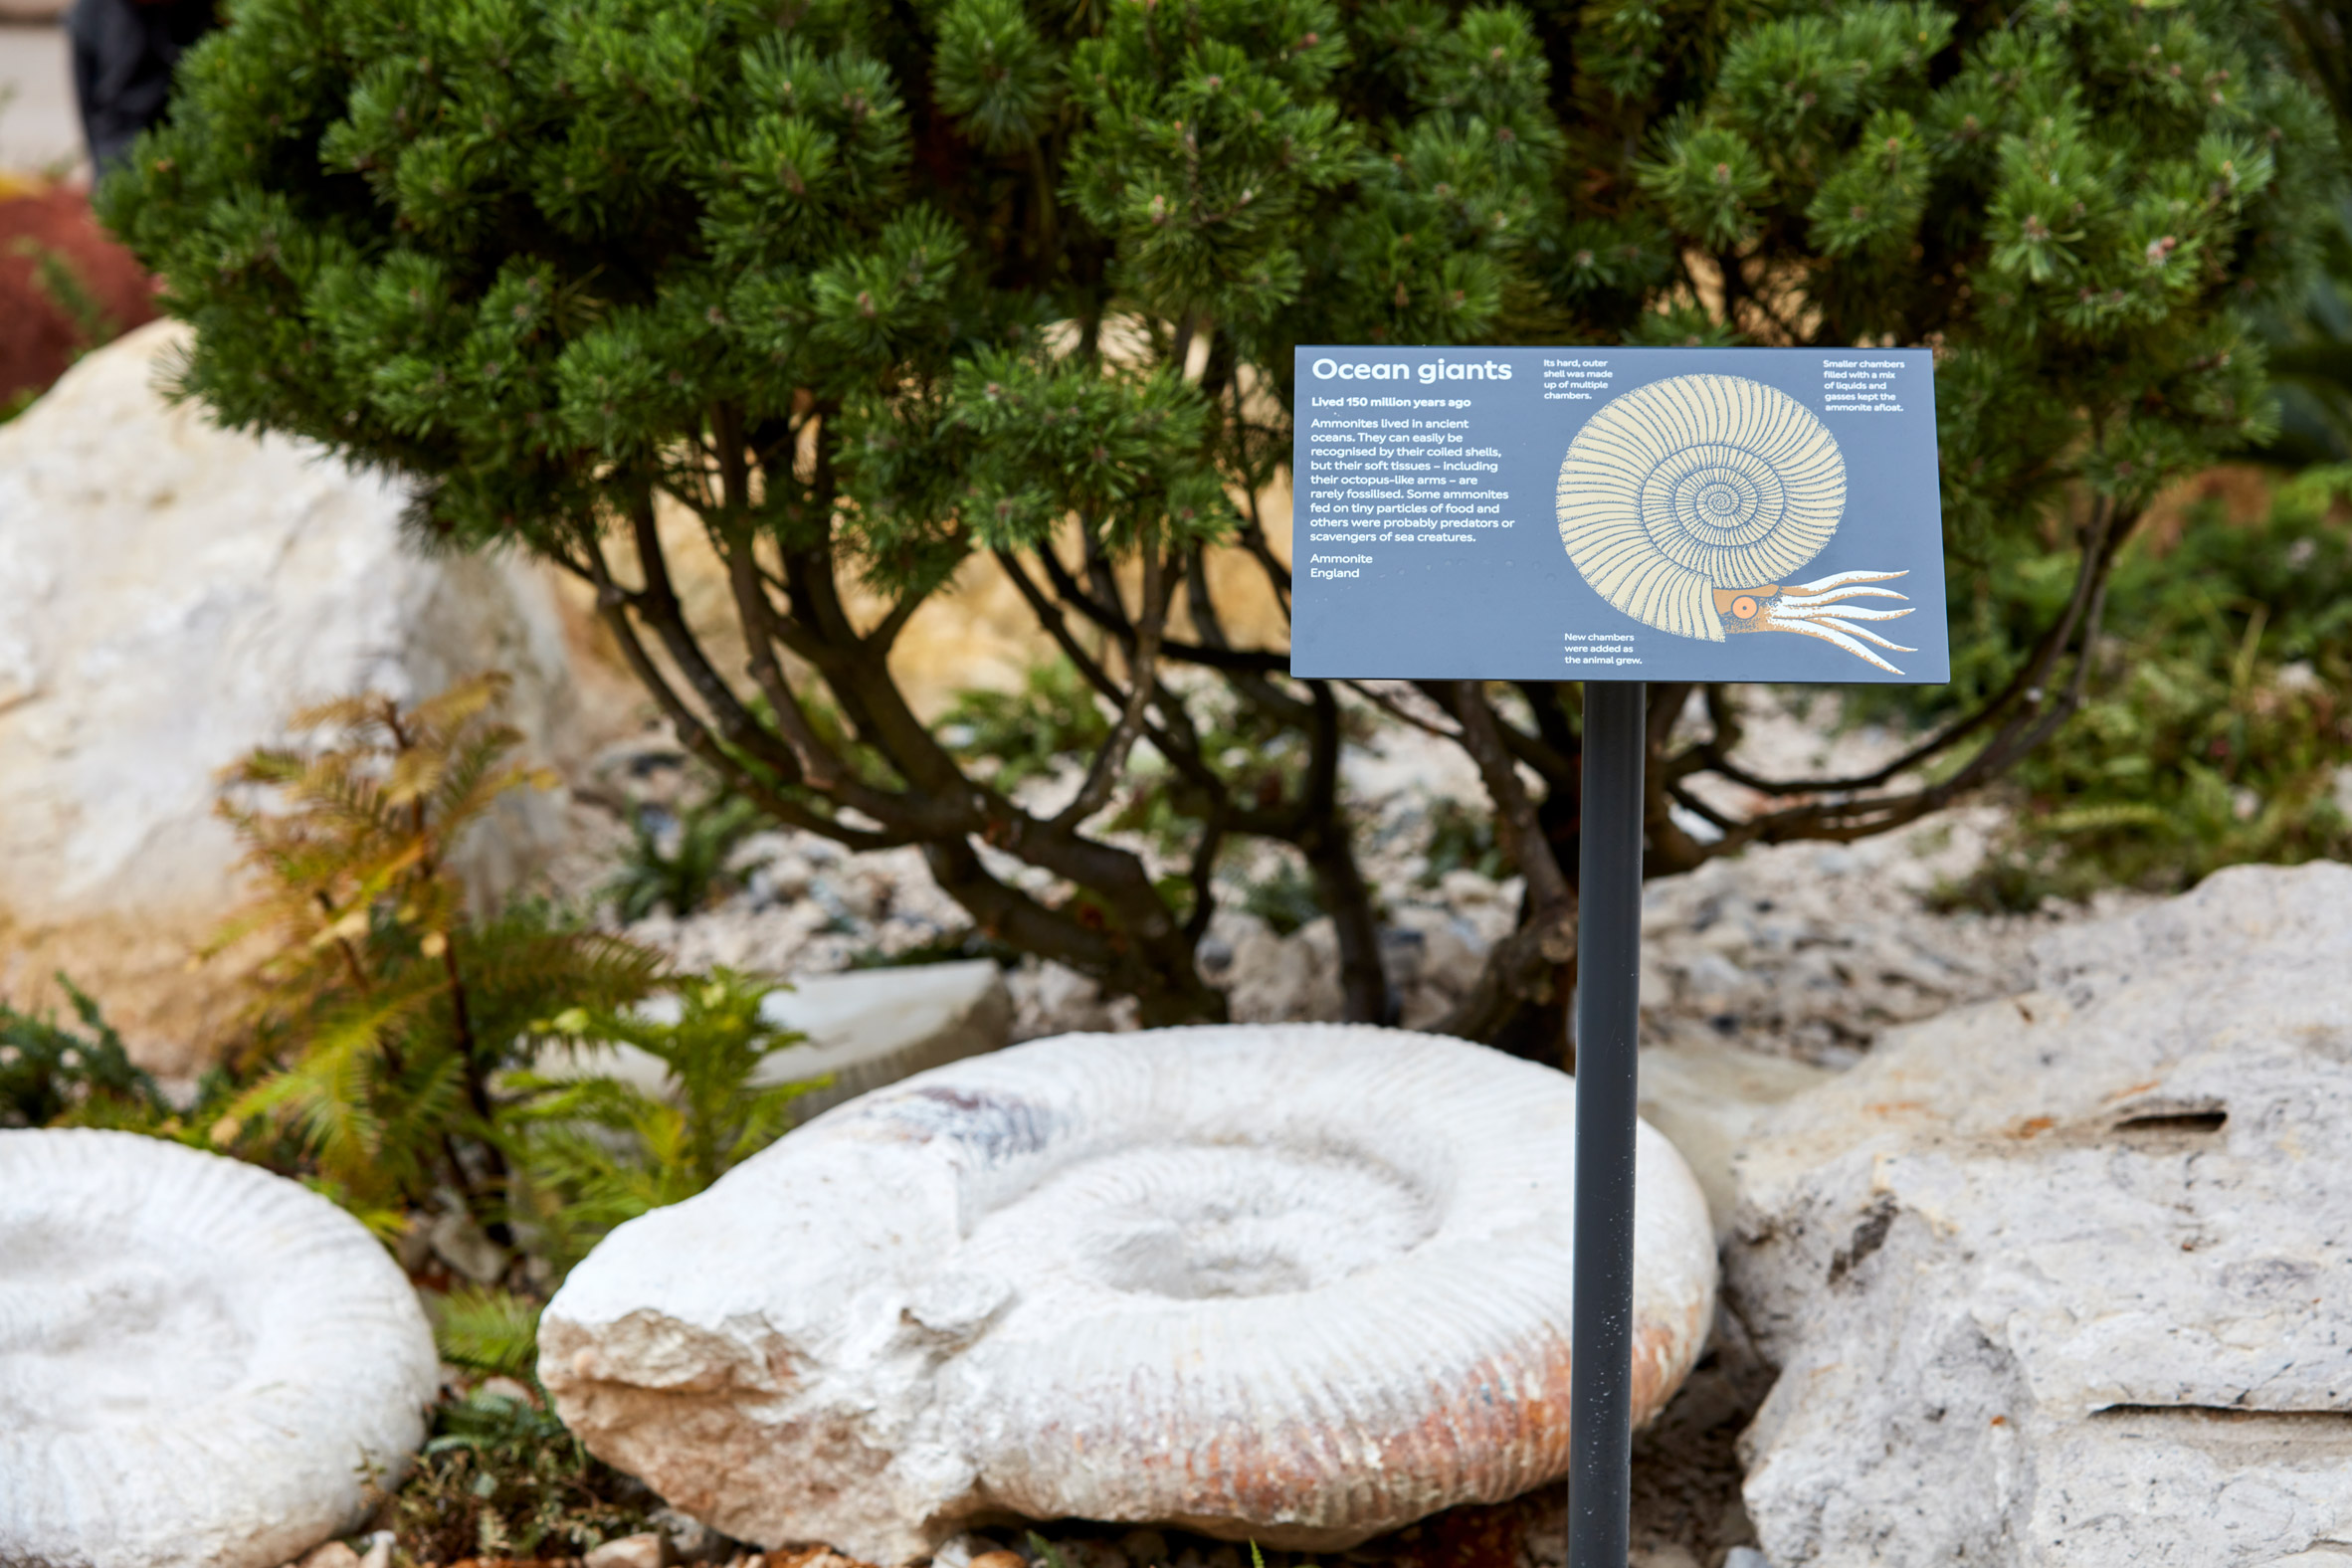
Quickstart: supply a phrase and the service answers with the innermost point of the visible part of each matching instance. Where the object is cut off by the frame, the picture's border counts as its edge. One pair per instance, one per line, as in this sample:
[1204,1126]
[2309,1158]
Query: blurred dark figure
[123,52]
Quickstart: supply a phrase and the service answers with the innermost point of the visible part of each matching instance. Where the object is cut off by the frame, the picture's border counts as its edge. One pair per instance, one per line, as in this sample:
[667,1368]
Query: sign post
[1617,516]
[1608,1018]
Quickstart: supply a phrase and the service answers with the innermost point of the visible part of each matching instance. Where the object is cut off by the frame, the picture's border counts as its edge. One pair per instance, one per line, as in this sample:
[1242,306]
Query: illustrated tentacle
[1840,579]
[1844,625]
[1866,635]
[1841,640]
[1836,611]
[1841,595]
[1821,608]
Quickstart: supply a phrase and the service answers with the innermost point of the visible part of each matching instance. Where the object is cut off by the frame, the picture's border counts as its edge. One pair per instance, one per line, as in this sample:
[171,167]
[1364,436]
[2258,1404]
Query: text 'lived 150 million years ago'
[1384,468]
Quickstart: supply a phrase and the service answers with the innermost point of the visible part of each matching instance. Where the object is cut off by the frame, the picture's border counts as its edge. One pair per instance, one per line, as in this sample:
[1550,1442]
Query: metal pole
[1608,996]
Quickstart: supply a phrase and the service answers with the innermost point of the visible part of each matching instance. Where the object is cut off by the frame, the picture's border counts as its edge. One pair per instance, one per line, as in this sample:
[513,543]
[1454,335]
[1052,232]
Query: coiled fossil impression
[202,1365]
[1291,1283]
[1689,501]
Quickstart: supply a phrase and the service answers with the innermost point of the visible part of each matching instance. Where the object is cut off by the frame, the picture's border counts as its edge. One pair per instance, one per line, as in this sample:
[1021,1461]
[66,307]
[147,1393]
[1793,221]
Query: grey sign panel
[1617,513]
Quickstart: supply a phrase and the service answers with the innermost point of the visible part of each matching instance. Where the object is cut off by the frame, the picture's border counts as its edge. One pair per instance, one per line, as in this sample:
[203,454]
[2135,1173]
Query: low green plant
[679,863]
[501,1477]
[1462,840]
[59,282]
[598,1151]
[55,279]
[1285,900]
[384,1011]
[1052,720]
[489,1330]
[2219,722]
[51,1076]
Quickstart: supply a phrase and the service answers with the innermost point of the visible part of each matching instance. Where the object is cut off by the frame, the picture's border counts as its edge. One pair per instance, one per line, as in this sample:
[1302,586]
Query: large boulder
[202,1364]
[2066,1279]
[1708,1096]
[1296,1284]
[169,592]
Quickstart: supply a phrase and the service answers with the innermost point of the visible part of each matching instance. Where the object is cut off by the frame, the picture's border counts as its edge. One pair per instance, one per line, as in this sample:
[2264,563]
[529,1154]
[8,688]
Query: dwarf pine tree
[869,288]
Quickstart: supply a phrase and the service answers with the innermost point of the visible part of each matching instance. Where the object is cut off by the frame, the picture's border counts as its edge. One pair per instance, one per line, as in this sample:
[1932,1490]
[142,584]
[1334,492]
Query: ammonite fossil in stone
[201,1363]
[1688,503]
[1297,1283]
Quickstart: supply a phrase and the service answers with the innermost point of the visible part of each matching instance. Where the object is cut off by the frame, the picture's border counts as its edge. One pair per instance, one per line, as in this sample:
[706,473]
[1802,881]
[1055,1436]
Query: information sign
[1616,517]
[1616,513]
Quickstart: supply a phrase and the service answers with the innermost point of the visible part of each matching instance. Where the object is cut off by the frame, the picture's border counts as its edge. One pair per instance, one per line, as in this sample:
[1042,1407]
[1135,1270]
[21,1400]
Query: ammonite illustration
[1688,502]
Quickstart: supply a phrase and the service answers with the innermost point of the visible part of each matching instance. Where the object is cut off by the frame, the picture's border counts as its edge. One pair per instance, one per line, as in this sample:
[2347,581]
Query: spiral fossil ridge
[1295,1284]
[202,1364]
[1695,484]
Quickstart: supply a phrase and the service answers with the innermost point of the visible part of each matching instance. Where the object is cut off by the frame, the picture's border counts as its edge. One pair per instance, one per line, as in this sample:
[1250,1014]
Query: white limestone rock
[642,1550]
[2066,1279]
[1281,979]
[1296,1283]
[201,1364]
[1708,1096]
[865,1029]
[169,592]
[874,1027]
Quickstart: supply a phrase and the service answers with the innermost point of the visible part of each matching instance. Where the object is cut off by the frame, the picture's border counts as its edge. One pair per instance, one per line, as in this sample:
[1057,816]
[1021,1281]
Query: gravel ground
[1806,950]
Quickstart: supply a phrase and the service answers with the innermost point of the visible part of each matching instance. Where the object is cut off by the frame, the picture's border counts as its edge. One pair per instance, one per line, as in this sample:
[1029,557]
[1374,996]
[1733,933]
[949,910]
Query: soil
[38,338]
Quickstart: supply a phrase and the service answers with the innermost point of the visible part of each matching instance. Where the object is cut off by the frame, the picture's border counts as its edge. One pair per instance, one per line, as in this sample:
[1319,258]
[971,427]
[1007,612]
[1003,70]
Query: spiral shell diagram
[1689,501]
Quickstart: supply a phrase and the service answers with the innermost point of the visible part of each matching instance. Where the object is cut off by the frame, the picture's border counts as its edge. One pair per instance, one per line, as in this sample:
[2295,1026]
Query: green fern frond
[413,775]
[769,1117]
[712,1115]
[458,705]
[486,1329]
[383,1013]
[542,959]
[359,717]
[475,777]
[386,1222]
[604,1101]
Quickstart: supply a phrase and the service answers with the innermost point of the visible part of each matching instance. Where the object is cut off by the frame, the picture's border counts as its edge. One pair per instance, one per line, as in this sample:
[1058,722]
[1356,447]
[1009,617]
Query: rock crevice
[2066,1279]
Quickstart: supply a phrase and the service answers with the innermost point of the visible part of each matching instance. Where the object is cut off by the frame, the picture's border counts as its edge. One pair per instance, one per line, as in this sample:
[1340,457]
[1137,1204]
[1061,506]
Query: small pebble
[691,1540]
[645,1550]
